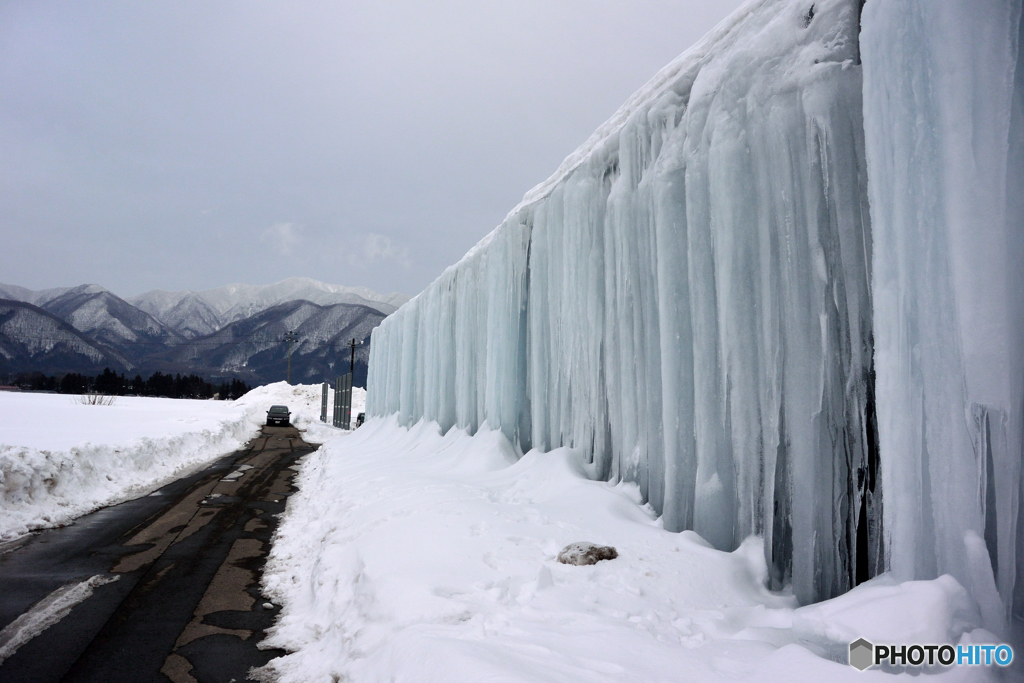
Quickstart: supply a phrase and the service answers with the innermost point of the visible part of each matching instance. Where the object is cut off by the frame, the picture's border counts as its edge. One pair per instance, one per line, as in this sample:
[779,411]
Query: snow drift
[408,555]
[704,300]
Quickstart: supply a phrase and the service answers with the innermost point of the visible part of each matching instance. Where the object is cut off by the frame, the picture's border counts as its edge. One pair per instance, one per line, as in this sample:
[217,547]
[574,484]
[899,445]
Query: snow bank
[60,458]
[408,555]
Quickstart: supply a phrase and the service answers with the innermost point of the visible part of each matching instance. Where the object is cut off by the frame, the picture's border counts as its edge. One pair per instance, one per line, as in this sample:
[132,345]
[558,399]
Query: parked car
[360,419]
[279,415]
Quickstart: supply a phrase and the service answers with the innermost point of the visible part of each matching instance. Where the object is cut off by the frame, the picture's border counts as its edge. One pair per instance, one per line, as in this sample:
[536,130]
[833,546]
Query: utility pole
[290,339]
[352,367]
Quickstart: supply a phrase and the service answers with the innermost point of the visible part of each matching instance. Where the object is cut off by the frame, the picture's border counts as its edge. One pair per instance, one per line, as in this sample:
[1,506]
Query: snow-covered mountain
[232,331]
[35,297]
[256,346]
[31,338]
[194,314]
[109,319]
[189,316]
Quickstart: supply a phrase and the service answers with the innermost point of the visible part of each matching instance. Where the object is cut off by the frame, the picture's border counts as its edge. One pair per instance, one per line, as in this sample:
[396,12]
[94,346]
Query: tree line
[113,384]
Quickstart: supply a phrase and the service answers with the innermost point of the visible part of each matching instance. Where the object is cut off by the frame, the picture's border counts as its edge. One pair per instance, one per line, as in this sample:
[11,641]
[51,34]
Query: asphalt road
[164,587]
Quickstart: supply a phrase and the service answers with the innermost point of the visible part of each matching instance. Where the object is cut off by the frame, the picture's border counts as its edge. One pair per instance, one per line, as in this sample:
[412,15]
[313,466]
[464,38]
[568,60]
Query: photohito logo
[864,655]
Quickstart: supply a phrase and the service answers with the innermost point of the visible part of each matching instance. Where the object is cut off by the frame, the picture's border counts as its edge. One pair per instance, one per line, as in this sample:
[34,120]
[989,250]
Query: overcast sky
[188,145]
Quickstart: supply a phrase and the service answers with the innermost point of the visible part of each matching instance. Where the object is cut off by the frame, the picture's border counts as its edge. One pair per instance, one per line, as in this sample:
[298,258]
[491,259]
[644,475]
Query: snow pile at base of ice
[936,611]
[408,555]
[60,458]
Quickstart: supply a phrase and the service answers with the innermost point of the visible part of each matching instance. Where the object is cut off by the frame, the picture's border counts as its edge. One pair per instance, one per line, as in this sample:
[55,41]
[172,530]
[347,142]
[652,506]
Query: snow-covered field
[411,556]
[60,458]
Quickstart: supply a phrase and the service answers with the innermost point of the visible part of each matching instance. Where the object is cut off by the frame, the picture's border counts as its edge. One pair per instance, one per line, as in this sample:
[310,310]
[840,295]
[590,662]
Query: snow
[60,458]
[209,310]
[411,555]
[56,422]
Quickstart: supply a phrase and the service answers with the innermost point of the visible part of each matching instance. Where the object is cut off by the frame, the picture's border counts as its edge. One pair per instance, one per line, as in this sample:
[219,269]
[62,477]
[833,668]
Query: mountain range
[237,331]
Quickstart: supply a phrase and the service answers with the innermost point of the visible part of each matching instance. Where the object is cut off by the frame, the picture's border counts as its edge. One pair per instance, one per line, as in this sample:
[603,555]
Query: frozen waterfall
[689,299]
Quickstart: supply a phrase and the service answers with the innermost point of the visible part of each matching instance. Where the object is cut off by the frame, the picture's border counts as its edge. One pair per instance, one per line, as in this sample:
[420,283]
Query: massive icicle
[690,298]
[944,120]
[687,300]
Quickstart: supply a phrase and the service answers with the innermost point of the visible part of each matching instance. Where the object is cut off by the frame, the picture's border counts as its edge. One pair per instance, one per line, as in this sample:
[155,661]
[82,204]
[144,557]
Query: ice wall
[687,301]
[944,123]
[698,300]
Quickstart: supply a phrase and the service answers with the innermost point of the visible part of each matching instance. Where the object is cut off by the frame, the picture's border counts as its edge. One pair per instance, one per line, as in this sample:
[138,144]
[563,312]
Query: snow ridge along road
[60,459]
[188,557]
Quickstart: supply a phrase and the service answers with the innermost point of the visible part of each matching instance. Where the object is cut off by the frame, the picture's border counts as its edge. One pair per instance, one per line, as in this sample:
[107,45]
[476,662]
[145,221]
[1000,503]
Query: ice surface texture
[689,298]
[944,123]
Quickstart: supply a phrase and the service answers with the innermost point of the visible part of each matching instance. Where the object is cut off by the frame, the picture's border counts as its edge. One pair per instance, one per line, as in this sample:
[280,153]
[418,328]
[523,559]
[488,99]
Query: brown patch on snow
[586,553]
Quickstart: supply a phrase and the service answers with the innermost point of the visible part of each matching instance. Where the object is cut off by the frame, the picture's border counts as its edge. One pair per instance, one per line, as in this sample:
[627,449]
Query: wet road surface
[164,587]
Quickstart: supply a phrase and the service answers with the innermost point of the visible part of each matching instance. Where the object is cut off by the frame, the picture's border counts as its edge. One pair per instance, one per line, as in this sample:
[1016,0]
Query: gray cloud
[142,142]
[382,249]
[284,237]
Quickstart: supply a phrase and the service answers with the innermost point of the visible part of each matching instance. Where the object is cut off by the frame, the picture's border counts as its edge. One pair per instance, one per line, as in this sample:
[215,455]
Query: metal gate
[343,401]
